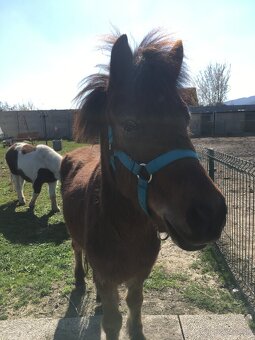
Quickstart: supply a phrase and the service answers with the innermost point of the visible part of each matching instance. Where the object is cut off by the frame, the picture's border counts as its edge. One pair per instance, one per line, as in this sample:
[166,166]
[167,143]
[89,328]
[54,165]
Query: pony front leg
[33,200]
[52,194]
[37,187]
[134,301]
[112,318]
[18,183]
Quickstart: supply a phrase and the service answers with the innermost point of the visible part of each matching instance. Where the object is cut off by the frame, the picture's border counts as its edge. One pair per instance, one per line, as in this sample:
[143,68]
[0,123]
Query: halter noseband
[145,171]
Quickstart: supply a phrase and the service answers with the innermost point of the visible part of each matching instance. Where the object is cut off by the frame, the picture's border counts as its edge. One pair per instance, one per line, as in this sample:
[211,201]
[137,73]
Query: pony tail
[91,115]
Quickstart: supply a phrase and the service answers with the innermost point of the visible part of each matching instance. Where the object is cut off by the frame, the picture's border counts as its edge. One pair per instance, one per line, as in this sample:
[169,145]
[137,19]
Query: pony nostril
[206,221]
[199,215]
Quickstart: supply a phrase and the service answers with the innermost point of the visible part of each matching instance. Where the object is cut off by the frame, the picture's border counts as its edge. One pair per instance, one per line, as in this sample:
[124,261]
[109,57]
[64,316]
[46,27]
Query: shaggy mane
[155,49]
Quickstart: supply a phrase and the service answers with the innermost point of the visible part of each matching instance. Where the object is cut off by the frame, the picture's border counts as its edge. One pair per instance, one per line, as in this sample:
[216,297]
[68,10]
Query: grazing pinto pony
[37,164]
[144,178]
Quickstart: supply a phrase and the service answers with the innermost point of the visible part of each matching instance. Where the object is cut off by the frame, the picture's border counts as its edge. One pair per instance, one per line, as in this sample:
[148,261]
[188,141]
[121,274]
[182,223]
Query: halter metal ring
[143,165]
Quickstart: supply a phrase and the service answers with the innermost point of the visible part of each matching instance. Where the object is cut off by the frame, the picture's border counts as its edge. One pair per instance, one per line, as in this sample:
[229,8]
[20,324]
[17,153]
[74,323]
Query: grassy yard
[36,263]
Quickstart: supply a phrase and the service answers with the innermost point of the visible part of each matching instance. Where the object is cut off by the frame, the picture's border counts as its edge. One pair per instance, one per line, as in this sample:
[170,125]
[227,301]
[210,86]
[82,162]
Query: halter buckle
[145,176]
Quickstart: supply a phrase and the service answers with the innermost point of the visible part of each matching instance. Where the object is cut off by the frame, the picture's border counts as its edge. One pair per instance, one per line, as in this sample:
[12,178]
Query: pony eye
[130,126]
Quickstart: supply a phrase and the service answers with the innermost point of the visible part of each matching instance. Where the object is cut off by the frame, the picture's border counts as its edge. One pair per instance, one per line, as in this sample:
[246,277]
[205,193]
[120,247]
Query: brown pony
[145,177]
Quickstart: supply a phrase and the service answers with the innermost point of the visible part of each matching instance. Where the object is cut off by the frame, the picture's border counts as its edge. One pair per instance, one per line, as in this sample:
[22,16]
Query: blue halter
[150,168]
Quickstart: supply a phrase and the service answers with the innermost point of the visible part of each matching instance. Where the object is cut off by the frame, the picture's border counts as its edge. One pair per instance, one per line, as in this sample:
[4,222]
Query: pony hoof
[31,207]
[21,203]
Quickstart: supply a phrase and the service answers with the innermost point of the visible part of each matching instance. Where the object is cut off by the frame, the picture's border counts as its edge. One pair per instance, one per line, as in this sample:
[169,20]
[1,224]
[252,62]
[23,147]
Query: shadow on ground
[24,227]
[75,324]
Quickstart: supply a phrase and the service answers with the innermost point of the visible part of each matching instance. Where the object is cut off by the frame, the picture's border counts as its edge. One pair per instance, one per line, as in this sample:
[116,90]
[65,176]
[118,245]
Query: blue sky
[48,46]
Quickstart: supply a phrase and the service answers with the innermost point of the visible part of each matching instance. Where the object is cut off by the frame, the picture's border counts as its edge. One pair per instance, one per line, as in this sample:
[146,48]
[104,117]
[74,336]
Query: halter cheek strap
[143,171]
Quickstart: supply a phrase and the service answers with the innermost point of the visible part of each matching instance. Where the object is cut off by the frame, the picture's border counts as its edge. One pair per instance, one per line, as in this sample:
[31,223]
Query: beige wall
[58,123]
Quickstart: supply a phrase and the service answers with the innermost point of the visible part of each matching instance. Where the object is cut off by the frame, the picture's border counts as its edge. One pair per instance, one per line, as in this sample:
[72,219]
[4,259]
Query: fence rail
[236,178]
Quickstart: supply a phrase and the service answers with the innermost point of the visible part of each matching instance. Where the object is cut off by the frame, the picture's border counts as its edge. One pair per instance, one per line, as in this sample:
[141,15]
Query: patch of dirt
[243,147]
[169,300]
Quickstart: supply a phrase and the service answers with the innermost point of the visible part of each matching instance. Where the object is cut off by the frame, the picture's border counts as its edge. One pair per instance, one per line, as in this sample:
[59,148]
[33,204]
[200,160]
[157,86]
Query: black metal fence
[235,178]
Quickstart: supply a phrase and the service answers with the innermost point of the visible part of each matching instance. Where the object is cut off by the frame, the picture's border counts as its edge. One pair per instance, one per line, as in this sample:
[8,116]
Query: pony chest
[123,250]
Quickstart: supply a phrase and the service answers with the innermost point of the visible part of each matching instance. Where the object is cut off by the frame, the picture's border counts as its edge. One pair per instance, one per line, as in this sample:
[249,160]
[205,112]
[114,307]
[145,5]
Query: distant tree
[213,84]
[29,106]
[4,106]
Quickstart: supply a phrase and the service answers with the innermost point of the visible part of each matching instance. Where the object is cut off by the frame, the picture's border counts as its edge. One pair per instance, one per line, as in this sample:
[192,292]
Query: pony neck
[108,186]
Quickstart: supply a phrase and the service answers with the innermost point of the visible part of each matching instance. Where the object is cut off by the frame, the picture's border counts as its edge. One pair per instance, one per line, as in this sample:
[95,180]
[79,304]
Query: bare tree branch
[29,106]
[213,84]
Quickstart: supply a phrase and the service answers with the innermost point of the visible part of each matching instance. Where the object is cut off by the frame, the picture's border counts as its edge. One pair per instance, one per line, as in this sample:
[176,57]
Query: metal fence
[235,178]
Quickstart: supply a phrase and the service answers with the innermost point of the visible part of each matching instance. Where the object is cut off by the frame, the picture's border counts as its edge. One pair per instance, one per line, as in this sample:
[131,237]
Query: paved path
[156,327]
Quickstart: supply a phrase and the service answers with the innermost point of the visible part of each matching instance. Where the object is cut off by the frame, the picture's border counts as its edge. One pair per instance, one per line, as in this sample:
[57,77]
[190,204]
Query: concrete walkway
[156,327]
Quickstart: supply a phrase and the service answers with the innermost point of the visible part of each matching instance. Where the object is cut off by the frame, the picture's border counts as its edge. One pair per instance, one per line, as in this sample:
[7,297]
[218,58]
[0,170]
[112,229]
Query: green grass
[35,251]
[159,279]
[212,299]
[217,300]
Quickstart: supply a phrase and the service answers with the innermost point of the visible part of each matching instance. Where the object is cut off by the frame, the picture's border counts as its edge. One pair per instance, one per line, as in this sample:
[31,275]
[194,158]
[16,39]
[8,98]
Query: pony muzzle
[202,225]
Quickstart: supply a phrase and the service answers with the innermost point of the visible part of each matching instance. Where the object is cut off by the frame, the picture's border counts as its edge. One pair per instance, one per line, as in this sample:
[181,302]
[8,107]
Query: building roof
[221,109]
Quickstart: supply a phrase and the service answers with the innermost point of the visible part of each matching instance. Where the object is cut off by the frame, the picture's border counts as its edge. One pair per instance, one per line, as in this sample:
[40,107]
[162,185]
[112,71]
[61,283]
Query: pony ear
[176,57]
[121,62]
[89,119]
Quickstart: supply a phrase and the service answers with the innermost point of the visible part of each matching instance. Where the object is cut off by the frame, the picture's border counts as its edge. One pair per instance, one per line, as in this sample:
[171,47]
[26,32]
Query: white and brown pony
[145,177]
[36,164]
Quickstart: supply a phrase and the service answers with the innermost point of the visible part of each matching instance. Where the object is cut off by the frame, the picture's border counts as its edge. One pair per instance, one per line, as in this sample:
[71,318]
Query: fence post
[211,169]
